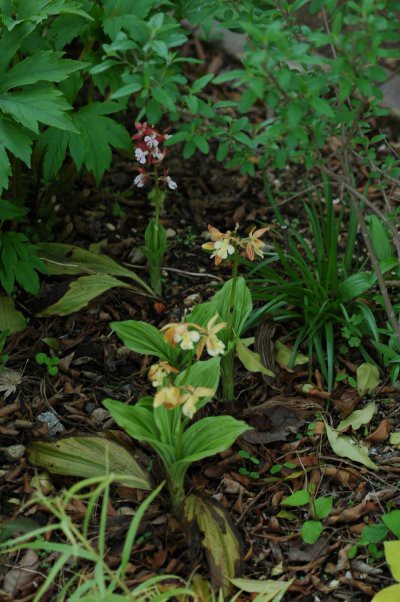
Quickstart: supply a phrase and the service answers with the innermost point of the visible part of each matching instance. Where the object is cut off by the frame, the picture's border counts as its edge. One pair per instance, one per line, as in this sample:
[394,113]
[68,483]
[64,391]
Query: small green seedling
[243,470]
[276,468]
[320,508]
[342,377]
[376,534]
[51,363]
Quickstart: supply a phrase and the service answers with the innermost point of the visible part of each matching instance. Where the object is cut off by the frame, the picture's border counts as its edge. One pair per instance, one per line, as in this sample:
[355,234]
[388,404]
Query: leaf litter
[356,460]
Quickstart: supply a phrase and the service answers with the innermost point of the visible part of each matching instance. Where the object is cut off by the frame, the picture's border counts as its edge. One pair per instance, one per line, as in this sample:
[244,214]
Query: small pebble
[99,415]
[14,452]
[42,482]
[110,227]
[126,510]
[90,406]
[170,232]
[192,300]
[52,421]
[136,256]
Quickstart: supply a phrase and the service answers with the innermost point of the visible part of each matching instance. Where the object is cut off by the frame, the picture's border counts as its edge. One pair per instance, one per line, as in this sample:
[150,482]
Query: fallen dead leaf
[351,514]
[343,476]
[23,575]
[383,494]
[347,403]
[343,563]
[284,423]
[308,553]
[382,431]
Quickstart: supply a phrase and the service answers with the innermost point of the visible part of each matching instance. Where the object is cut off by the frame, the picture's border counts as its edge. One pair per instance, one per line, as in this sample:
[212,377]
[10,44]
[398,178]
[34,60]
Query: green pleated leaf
[81,292]
[89,456]
[61,259]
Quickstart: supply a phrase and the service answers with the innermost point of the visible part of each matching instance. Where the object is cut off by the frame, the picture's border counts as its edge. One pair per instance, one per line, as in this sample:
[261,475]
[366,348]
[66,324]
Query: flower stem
[177,494]
[233,290]
[228,389]
[227,362]
[154,245]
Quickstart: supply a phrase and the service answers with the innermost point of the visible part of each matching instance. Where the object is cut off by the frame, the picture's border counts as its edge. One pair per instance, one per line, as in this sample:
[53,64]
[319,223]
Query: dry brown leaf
[319,586]
[347,402]
[351,514]
[357,529]
[381,433]
[343,563]
[343,476]
[23,575]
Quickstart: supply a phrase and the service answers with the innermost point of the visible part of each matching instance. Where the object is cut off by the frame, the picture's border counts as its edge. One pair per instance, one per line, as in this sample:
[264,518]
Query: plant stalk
[227,362]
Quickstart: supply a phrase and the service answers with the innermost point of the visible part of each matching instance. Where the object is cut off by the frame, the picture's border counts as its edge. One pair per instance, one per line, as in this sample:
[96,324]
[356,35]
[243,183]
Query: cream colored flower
[188,339]
[170,397]
[254,245]
[221,244]
[172,331]
[179,333]
[215,346]
[192,396]
[158,373]
[210,340]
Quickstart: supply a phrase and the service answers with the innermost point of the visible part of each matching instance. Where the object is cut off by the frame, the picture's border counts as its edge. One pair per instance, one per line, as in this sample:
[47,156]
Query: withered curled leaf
[221,541]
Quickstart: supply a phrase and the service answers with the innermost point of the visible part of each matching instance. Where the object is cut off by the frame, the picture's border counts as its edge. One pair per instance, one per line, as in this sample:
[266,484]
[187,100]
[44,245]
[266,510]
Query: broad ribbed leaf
[61,259]
[89,457]
[144,338]
[138,422]
[81,292]
[202,374]
[242,308]
[380,238]
[220,304]
[210,436]
[269,590]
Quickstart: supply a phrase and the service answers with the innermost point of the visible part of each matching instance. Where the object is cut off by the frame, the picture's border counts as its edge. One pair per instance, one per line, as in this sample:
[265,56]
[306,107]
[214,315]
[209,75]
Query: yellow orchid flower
[170,397]
[158,372]
[191,397]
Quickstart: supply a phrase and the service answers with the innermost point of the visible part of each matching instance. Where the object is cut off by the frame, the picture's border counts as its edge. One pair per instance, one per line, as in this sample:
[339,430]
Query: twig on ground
[183,272]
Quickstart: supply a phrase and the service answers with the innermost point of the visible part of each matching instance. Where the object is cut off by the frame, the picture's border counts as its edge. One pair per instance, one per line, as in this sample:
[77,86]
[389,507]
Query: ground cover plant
[199,305]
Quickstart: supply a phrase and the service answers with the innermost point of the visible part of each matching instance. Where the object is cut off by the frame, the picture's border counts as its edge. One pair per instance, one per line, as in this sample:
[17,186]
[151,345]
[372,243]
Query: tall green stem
[177,494]
[233,290]
[227,362]
[155,238]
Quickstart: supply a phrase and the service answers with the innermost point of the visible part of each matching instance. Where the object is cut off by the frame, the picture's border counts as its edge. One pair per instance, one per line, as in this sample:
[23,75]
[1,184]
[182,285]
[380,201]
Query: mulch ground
[288,423]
